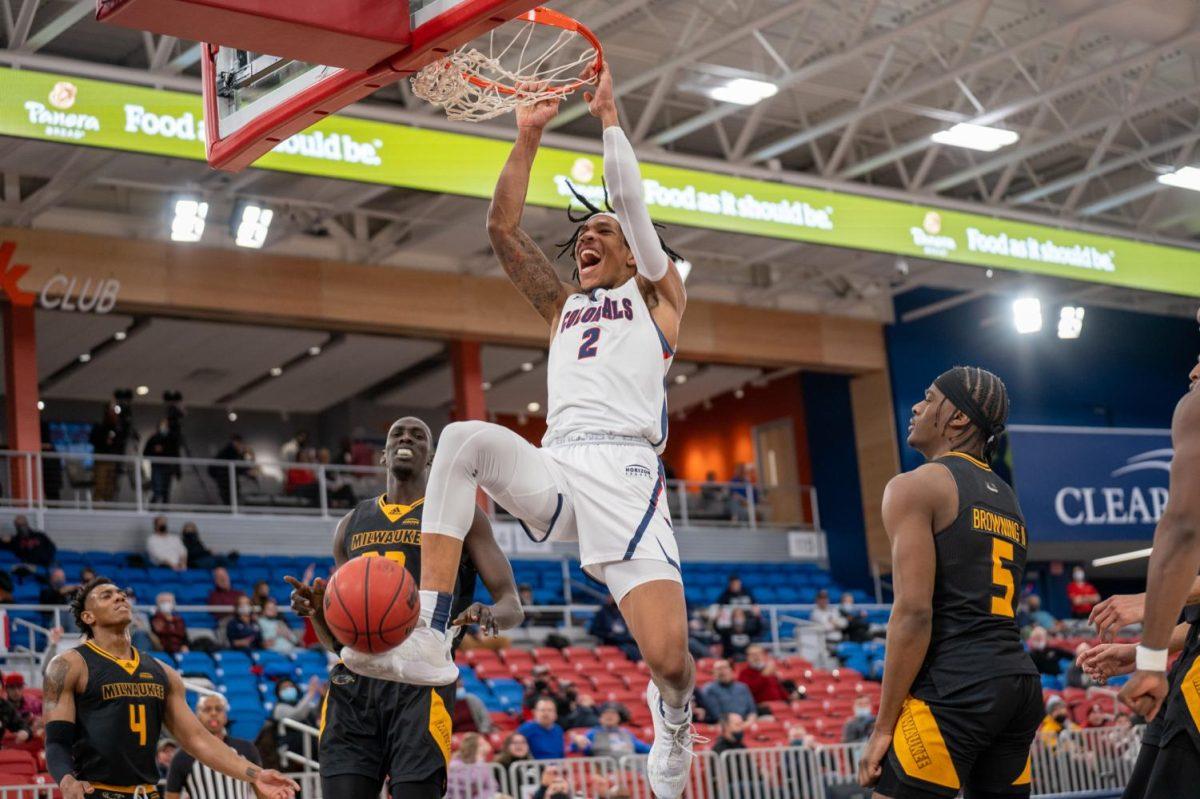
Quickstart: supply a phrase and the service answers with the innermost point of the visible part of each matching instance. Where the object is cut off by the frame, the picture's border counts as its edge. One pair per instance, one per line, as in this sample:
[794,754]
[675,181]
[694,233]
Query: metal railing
[39,481]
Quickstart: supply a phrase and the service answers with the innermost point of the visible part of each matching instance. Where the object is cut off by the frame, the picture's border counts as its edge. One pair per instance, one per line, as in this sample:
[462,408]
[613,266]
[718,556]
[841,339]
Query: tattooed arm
[201,744]
[65,675]
[524,262]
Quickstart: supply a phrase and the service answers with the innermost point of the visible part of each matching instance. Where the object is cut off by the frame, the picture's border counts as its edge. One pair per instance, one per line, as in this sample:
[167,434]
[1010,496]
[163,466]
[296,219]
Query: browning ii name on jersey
[980,567]
[120,714]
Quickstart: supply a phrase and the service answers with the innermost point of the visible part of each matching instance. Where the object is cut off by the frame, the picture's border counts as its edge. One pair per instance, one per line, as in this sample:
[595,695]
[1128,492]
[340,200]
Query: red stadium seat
[513,655]
[18,761]
[579,653]
[610,653]
[476,656]
[549,655]
[492,671]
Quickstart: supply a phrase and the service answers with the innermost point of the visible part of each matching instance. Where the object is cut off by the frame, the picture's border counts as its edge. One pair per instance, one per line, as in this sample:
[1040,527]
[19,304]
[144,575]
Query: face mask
[1060,717]
[738,736]
[863,712]
[1037,646]
[243,610]
[1078,577]
[460,693]
[166,607]
[289,695]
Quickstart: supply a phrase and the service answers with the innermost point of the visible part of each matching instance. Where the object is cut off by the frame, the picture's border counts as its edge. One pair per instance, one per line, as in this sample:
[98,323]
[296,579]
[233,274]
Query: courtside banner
[38,105]
[1090,483]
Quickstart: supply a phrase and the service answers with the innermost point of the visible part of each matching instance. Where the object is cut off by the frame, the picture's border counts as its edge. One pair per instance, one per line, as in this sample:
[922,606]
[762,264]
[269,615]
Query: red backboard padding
[353,34]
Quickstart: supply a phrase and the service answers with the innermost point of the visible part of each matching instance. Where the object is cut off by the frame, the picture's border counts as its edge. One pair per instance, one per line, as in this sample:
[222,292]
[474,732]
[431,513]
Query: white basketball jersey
[607,370]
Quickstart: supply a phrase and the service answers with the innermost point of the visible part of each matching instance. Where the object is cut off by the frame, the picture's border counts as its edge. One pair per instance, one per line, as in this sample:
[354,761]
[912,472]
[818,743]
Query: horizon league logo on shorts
[59,122]
[1091,483]
[638,470]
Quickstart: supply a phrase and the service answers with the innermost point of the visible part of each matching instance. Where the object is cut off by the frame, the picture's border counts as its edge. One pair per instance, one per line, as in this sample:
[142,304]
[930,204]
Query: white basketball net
[446,81]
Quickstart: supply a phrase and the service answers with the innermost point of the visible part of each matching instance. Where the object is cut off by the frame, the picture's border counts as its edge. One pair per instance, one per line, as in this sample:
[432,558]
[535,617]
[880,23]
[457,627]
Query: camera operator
[109,437]
[163,444]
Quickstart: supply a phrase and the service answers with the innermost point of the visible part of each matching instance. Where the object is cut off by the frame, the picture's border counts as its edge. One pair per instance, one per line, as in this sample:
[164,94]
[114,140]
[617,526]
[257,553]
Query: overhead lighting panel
[976,137]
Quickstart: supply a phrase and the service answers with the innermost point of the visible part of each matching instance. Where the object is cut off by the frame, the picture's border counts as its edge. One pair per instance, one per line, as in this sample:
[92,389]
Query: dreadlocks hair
[989,396]
[590,210]
[79,601]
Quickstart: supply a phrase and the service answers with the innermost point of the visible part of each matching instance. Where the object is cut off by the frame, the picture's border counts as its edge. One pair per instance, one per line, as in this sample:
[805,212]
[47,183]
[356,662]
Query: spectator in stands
[827,618]
[11,721]
[29,545]
[339,491]
[732,733]
[108,437]
[1031,614]
[291,704]
[470,714]
[223,593]
[726,695]
[608,738]
[290,451]
[798,735]
[163,444]
[1096,717]
[140,633]
[1047,658]
[198,780]
[164,548]
[714,502]
[166,753]
[200,556]
[261,594]
[514,749]
[58,592]
[28,707]
[544,734]
[1057,721]
[758,674]
[1082,595]
[857,629]
[542,685]
[859,726]
[242,630]
[535,619]
[583,713]
[276,634]
[554,785]
[167,626]
[745,626]
[741,494]
[735,593]
[609,626]
[701,639]
[301,480]
[469,775]
[234,450]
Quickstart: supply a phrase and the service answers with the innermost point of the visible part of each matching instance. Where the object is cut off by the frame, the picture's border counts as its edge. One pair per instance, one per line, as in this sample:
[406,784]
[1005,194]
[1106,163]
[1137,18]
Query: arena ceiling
[1105,95]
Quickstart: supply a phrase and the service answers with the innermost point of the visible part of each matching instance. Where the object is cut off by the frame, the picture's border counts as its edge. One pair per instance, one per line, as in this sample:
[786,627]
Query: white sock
[435,609]
[677,715]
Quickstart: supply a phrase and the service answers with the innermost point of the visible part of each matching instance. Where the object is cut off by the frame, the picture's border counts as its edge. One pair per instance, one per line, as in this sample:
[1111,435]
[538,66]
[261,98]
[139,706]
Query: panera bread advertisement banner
[1090,483]
[38,105]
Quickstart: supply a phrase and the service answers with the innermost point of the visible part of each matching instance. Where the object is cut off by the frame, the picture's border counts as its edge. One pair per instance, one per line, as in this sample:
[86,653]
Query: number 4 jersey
[119,717]
[980,567]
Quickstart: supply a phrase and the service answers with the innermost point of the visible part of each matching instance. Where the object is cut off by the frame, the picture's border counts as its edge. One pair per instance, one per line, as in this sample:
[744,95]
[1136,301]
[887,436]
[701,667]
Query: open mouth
[588,259]
[404,453]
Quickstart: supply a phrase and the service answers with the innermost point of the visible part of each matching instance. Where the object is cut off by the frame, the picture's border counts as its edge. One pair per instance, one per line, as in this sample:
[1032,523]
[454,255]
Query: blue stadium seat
[196,664]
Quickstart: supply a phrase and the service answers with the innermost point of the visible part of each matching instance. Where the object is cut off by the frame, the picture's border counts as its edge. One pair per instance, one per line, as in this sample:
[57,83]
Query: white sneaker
[669,764]
[423,659]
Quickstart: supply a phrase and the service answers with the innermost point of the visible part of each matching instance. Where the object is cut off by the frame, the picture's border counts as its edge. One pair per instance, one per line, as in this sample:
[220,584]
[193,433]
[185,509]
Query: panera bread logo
[56,121]
[132,690]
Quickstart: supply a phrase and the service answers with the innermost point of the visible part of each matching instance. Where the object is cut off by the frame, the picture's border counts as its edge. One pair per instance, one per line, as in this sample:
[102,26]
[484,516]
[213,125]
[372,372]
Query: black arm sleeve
[60,738]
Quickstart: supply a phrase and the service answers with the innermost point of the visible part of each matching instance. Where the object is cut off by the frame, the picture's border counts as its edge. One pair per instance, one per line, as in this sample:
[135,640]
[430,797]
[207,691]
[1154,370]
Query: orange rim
[555,19]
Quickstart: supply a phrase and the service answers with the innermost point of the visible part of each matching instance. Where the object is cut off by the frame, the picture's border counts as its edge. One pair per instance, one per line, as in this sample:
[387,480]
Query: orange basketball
[372,604]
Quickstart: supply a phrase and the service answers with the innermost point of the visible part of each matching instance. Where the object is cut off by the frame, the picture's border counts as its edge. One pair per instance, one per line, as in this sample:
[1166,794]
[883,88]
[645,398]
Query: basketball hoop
[536,56]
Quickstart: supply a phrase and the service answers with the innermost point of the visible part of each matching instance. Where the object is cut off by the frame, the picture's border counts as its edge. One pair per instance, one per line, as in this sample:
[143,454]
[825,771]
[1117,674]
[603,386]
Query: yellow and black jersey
[119,716]
[378,528]
[980,567]
[1180,714]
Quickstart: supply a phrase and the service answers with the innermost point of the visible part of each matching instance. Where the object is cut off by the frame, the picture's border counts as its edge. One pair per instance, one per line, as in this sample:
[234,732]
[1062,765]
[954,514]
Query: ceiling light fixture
[486,385]
[1070,321]
[87,356]
[680,379]
[976,137]
[685,269]
[1027,315]
[188,224]
[314,351]
[743,91]
[120,335]
[143,390]
[41,405]
[253,224]
[232,416]
[1186,177]
[527,367]
[533,407]
[276,371]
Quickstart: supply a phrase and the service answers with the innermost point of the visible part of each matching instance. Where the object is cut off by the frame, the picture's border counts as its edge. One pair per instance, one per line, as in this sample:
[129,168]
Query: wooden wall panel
[241,285]
[878,458]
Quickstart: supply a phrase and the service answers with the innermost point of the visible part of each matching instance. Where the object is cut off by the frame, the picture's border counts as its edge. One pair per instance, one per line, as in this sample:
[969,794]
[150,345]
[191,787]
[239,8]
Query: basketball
[371,604]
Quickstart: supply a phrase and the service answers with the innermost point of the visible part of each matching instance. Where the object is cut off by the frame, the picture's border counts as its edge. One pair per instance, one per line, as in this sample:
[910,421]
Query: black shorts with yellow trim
[379,728]
[975,740]
[103,791]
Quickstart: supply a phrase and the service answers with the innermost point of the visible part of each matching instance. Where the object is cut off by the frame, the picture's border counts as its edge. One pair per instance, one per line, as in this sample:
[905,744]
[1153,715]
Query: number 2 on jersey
[588,348]
[393,555]
[1001,576]
[137,722]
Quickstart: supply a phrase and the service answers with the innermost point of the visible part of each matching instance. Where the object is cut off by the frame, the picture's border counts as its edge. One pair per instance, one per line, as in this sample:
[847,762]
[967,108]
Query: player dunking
[961,698]
[597,476]
[105,706]
[372,730]
[1173,759]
